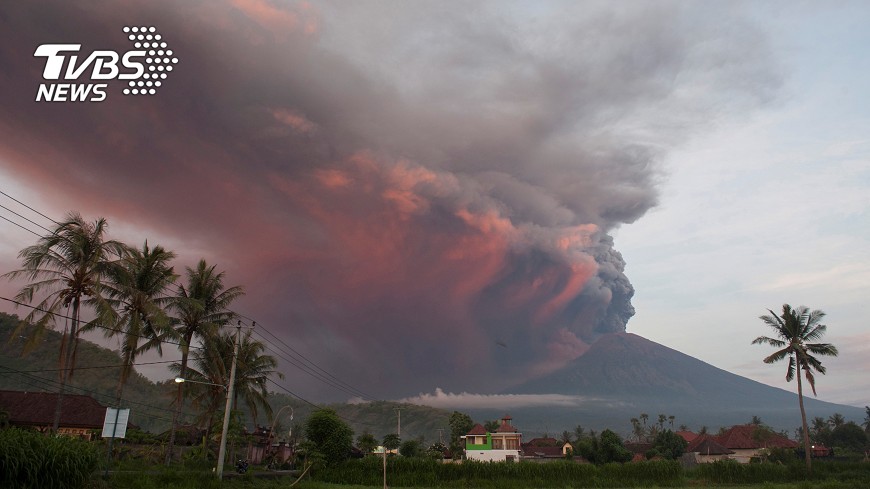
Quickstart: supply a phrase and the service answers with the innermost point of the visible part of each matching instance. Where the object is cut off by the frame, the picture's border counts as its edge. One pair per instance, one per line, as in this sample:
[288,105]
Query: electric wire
[284,351]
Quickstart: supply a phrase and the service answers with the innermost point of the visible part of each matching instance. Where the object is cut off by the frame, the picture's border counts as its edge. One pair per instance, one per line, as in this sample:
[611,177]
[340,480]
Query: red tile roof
[506,427]
[478,429]
[542,442]
[741,437]
[707,445]
[687,435]
[37,409]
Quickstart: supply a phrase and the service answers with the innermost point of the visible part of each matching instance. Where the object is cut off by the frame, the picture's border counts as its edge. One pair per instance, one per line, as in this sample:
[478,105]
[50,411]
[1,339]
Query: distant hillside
[624,374]
[150,402]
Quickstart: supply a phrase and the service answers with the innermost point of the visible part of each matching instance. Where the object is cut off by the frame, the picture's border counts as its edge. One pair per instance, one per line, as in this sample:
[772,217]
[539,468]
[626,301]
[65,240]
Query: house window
[512,444]
[497,444]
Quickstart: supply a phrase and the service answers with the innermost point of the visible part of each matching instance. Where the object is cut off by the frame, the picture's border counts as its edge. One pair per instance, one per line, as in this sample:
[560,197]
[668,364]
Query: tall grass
[29,459]
[417,472]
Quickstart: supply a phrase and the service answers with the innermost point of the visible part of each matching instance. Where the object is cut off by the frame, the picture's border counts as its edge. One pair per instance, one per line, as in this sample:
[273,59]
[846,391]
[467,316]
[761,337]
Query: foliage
[202,306]
[460,424]
[135,304]
[436,450]
[610,449]
[670,445]
[29,459]
[392,441]
[411,448]
[331,437]
[366,443]
[424,472]
[795,329]
[849,436]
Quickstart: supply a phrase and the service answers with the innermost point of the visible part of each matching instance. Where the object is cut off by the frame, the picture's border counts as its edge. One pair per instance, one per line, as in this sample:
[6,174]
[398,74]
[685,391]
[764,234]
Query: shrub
[29,459]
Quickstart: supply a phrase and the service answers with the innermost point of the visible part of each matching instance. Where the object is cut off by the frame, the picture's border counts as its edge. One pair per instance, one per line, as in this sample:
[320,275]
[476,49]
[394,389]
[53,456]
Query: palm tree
[69,264]
[836,420]
[202,307]
[866,422]
[212,366]
[795,329]
[137,297]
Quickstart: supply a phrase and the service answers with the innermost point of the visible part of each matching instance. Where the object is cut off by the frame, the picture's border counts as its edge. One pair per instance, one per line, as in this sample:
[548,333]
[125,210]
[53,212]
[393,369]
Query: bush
[29,459]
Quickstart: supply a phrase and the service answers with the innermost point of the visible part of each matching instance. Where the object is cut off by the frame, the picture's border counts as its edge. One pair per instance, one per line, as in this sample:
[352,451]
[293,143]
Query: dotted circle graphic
[158,59]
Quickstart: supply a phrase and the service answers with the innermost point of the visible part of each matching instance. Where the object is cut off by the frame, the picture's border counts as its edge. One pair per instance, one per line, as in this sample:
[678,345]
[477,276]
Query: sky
[457,197]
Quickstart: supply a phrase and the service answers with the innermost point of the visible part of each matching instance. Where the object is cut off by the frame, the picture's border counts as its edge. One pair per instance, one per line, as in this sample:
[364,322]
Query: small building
[750,441]
[501,446]
[80,415]
[706,449]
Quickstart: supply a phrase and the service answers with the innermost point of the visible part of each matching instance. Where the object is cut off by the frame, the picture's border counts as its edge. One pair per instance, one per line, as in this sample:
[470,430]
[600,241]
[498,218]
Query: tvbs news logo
[74,76]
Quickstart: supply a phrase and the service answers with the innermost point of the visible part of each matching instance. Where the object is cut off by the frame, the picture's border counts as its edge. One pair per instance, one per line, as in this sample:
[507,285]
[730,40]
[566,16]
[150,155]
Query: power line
[306,365]
[295,358]
[115,330]
[27,206]
[19,225]
[26,219]
[54,384]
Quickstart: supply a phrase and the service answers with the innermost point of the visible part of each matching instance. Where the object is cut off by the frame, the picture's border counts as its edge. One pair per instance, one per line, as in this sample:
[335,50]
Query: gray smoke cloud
[426,184]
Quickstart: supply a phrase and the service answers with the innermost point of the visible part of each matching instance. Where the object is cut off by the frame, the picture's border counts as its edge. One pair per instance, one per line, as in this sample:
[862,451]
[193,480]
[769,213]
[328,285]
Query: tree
[212,366]
[331,437]
[491,426]
[366,443]
[69,264]
[391,442]
[460,424]
[565,437]
[202,307]
[836,420]
[794,330]
[136,294]
[821,431]
[849,436]
[411,448]
[579,433]
[436,450]
[866,422]
[611,449]
[670,445]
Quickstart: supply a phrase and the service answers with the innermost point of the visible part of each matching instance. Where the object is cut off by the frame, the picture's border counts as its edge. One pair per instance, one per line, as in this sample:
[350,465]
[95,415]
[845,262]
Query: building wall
[743,455]
[492,455]
[706,459]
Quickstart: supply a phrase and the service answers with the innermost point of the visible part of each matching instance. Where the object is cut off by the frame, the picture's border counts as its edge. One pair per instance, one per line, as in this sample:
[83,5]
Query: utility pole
[222,453]
[440,435]
[399,426]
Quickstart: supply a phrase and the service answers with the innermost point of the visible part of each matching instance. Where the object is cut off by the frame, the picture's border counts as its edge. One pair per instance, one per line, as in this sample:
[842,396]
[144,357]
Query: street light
[275,421]
[179,380]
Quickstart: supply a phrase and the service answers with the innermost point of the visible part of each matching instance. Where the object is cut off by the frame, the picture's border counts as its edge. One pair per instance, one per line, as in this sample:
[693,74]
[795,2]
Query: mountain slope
[624,374]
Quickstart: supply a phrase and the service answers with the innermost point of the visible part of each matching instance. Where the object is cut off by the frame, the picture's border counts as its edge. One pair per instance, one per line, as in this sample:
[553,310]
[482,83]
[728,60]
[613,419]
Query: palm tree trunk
[179,399]
[125,373]
[807,453]
[66,368]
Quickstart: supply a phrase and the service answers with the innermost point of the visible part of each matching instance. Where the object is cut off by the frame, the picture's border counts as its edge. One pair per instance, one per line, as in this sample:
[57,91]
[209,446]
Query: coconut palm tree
[836,420]
[212,366]
[795,329]
[137,295]
[202,307]
[69,265]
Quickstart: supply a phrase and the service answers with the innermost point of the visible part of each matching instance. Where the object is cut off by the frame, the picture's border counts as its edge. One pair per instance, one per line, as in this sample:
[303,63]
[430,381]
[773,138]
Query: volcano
[623,375]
